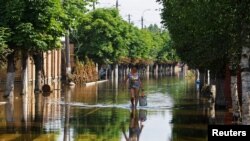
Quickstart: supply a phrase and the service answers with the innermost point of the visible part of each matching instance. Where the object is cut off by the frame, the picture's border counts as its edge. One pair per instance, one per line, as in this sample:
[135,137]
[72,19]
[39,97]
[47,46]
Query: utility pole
[142,22]
[117,4]
[67,55]
[142,19]
[129,18]
[94,5]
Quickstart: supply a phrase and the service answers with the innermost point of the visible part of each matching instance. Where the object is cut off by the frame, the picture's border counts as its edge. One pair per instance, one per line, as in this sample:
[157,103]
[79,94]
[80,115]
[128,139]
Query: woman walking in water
[134,85]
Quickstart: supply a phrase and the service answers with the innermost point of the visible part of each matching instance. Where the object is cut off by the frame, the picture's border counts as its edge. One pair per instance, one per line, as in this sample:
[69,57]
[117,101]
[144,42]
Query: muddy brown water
[175,112]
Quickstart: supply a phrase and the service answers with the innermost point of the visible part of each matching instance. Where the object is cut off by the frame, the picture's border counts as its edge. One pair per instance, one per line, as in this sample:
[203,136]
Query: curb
[2,102]
[94,83]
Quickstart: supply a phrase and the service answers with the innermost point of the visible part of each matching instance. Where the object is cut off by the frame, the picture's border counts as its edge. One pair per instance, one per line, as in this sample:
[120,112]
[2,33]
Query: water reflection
[67,96]
[175,111]
[135,125]
[39,103]
[24,113]
[9,111]
[143,115]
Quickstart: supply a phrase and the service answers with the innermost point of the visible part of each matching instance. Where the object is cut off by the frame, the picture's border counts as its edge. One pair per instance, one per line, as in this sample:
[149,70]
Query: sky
[148,9]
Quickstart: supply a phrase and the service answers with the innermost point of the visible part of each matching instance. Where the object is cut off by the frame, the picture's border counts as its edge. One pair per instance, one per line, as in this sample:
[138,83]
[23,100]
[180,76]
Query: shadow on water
[175,112]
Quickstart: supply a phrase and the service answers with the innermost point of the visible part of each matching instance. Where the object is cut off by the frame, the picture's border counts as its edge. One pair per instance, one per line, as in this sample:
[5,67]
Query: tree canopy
[101,35]
[106,38]
[74,12]
[34,25]
[206,34]
[37,25]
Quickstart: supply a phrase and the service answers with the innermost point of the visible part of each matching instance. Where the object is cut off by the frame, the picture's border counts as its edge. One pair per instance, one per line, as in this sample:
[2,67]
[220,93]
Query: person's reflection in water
[135,127]
[9,111]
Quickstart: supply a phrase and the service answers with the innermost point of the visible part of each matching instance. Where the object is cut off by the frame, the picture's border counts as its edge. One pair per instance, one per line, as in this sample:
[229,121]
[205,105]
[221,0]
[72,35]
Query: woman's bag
[143,100]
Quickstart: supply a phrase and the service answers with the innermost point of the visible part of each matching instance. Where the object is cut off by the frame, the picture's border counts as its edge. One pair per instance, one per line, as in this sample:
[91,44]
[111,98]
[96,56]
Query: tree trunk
[96,68]
[220,96]
[38,72]
[111,73]
[197,82]
[116,70]
[213,91]
[227,90]
[147,72]
[10,75]
[239,88]
[173,70]
[245,75]
[235,99]
[67,55]
[156,69]
[198,76]
[208,77]
[24,73]
[202,80]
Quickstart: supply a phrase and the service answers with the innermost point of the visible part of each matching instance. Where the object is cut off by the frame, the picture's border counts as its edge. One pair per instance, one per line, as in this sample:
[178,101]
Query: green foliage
[160,47]
[140,44]
[4,34]
[206,34]
[106,38]
[162,50]
[35,25]
[74,12]
[167,54]
[147,44]
[102,33]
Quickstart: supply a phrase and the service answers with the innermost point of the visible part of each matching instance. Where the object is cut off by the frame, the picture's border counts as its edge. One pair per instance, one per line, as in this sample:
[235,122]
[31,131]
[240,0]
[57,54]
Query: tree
[74,10]
[167,54]
[200,39]
[140,44]
[35,27]
[163,49]
[243,8]
[103,36]
[213,38]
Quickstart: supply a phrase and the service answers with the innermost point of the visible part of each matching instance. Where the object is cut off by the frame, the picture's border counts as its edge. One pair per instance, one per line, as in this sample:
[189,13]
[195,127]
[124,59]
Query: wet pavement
[175,112]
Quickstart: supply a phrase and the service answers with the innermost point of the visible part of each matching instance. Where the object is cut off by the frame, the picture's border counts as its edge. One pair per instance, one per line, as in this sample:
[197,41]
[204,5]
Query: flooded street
[101,112]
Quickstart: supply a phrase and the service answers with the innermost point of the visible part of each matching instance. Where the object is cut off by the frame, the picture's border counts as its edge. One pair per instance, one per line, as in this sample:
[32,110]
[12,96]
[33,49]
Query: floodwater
[101,112]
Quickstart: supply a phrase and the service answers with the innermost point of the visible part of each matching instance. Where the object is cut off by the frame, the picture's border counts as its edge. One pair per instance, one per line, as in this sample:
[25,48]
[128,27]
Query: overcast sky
[149,9]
